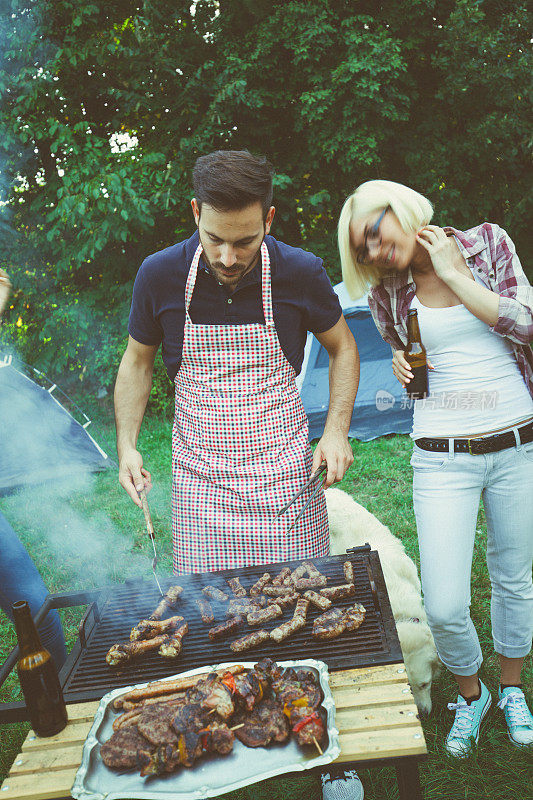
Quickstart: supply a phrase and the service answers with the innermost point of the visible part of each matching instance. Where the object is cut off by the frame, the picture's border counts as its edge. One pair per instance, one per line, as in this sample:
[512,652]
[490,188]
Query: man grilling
[231,307]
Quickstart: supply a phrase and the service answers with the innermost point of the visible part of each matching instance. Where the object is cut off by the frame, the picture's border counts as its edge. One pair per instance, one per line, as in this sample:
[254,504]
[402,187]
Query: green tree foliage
[332,91]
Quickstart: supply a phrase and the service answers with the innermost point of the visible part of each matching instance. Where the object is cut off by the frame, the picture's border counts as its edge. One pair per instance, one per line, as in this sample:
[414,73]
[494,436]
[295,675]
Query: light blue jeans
[20,580]
[446,492]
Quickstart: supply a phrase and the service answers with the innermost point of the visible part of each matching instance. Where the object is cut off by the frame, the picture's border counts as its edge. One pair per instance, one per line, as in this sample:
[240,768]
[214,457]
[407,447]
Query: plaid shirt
[490,253]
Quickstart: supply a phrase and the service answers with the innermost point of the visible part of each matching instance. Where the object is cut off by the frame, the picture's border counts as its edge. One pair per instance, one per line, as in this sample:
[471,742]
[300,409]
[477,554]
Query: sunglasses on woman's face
[372,239]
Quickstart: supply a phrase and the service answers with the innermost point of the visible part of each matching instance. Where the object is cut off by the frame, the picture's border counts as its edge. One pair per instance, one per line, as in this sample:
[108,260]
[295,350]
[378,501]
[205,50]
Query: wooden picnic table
[376,717]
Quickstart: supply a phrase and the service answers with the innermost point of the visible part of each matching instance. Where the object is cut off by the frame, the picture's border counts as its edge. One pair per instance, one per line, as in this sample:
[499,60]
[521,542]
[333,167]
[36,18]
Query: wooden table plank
[352,719]
[371,695]
[393,743]
[60,758]
[388,673]
[38,786]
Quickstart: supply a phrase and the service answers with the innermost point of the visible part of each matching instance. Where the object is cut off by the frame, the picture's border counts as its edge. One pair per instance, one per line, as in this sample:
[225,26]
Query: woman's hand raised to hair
[5,289]
[440,248]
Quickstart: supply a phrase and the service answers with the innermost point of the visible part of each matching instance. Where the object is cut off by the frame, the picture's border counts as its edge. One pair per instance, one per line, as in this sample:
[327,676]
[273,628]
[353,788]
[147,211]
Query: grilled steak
[154,722]
[265,723]
[124,749]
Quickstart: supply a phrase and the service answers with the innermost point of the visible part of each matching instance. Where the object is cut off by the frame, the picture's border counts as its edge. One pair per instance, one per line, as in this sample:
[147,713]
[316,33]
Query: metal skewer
[150,529]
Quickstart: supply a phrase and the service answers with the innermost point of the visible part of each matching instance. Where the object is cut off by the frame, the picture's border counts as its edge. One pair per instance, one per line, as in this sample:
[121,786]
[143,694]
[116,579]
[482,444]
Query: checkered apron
[240,447]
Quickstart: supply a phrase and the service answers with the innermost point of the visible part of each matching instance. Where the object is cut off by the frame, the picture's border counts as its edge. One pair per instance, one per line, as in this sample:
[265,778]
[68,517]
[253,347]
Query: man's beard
[238,268]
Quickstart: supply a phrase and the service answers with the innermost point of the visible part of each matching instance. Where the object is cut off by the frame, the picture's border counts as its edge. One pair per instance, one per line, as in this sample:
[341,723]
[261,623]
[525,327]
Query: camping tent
[39,439]
[378,407]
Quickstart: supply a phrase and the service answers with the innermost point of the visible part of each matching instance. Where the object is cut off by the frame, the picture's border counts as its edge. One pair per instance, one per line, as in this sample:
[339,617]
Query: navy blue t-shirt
[303,299]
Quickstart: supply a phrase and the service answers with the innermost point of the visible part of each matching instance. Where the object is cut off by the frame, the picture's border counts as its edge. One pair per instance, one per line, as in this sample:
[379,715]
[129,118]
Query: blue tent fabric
[378,408]
[39,439]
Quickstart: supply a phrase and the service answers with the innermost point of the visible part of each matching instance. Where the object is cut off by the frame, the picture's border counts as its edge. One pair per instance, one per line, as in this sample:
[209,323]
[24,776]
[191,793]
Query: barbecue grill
[114,610]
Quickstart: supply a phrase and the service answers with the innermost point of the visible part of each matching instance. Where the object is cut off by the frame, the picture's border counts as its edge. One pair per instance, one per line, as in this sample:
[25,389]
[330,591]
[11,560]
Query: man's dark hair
[230,180]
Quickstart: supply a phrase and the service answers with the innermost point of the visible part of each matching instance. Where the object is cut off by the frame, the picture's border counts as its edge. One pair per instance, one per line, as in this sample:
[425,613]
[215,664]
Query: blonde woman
[473,435]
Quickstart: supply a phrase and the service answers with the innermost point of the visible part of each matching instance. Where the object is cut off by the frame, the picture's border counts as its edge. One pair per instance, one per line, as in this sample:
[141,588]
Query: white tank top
[476,385]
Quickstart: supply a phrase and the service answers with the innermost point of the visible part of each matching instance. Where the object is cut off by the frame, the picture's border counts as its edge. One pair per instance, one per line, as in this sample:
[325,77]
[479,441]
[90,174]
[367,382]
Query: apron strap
[266,284]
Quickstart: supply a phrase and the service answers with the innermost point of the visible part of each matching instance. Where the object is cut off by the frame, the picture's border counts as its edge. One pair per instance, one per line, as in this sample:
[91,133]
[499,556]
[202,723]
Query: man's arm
[334,447]
[132,389]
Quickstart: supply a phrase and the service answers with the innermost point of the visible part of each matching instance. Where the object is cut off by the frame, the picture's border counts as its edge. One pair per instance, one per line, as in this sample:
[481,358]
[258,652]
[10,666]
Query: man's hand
[5,289]
[133,476]
[335,450]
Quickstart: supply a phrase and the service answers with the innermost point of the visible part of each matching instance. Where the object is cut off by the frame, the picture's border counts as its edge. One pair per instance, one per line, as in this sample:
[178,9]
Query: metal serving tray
[212,775]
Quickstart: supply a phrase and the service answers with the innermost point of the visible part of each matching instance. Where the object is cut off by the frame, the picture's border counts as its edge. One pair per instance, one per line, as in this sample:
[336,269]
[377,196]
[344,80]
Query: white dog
[351,525]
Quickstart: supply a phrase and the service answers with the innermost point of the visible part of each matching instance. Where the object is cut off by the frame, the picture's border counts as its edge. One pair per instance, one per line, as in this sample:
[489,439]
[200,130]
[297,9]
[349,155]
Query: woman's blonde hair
[412,210]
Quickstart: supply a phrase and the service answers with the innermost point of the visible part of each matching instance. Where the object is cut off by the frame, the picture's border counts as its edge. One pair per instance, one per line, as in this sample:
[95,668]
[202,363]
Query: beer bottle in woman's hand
[38,676]
[415,354]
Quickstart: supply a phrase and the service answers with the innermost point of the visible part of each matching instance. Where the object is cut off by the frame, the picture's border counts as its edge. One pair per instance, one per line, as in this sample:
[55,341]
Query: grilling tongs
[150,529]
[317,478]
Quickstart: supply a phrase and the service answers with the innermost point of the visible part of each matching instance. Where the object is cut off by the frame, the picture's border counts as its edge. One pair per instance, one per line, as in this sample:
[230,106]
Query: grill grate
[87,676]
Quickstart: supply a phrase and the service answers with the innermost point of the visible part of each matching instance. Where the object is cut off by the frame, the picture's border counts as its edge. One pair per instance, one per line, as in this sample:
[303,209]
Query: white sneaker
[464,734]
[343,787]
[517,715]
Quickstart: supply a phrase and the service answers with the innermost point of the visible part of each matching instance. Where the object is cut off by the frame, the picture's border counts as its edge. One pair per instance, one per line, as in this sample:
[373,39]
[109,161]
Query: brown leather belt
[485,444]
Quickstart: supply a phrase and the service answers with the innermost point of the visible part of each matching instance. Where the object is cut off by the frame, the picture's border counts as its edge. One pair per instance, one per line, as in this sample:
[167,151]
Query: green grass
[95,534]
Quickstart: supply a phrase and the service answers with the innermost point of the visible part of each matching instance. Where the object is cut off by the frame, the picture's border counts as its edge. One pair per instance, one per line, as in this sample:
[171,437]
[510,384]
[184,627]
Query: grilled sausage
[314,582]
[280,579]
[318,600]
[257,588]
[236,587]
[225,628]
[348,572]
[250,640]
[206,612]
[277,591]
[301,608]
[338,592]
[264,615]
[244,605]
[214,593]
[284,601]
[286,629]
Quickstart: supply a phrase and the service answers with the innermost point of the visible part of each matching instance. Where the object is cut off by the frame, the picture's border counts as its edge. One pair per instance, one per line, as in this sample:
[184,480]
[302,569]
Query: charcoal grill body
[114,610]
